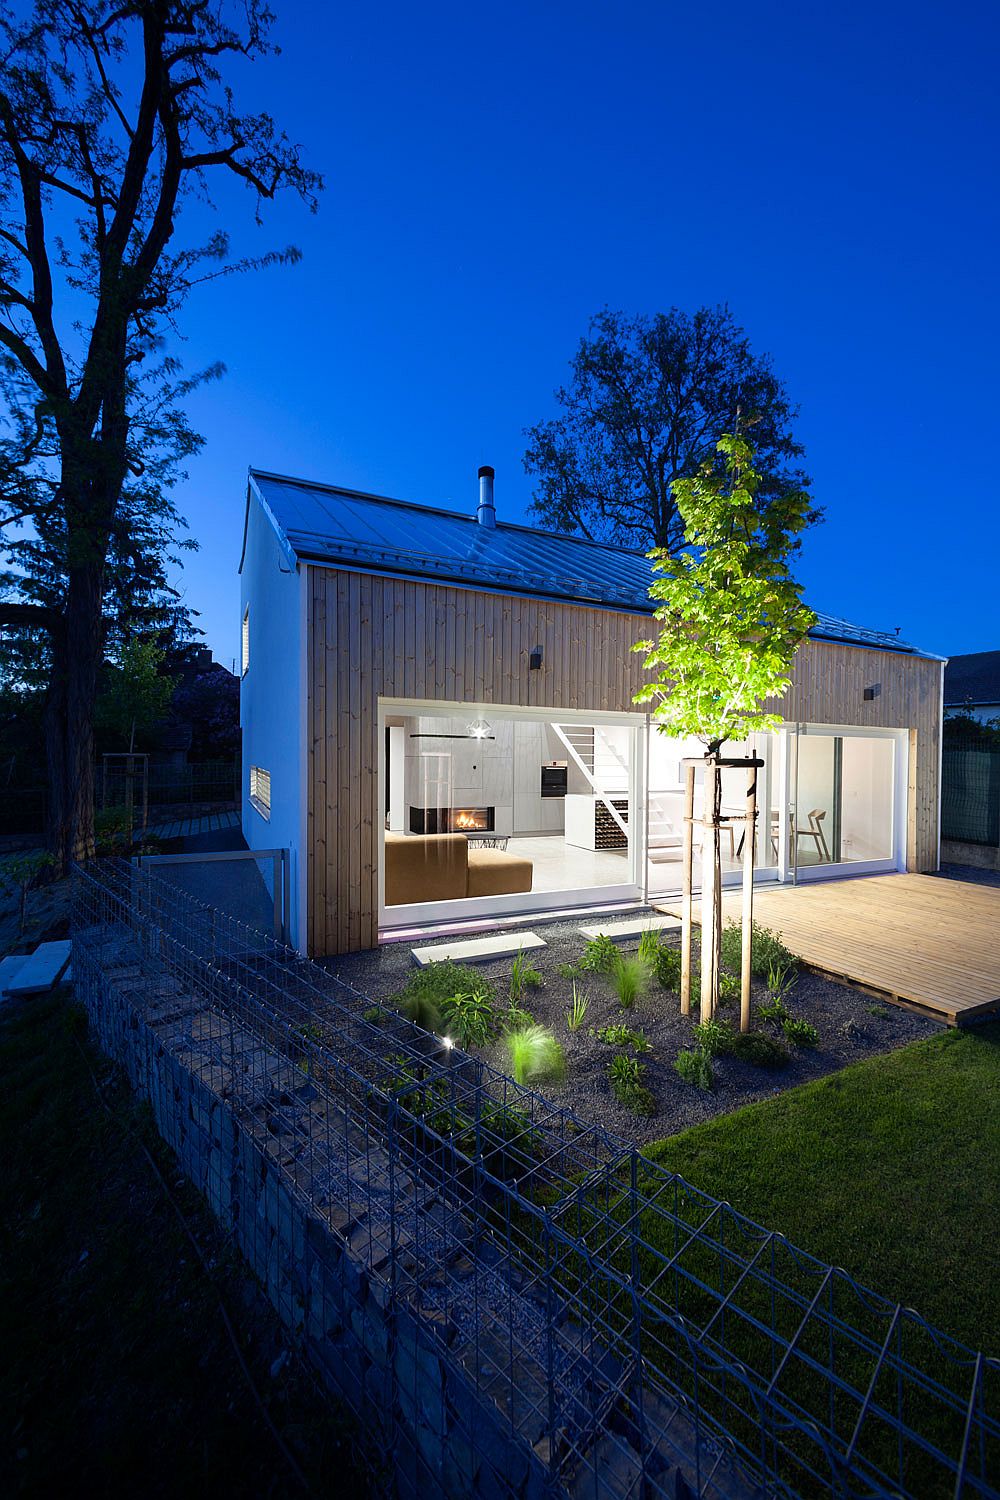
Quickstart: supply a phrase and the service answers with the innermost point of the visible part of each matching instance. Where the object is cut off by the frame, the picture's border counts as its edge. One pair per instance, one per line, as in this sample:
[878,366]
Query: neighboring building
[438,723]
[972,686]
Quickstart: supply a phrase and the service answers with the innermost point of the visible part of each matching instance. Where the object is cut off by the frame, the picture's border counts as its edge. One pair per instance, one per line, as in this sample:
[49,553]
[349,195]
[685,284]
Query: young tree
[648,401]
[113,116]
[137,696]
[730,619]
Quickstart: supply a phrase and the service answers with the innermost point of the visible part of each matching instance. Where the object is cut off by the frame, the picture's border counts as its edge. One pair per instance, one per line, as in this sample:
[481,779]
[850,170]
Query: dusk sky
[497,175]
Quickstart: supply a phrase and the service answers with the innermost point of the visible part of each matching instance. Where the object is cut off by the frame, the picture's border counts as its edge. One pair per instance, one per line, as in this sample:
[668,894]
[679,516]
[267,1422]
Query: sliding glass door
[846,804]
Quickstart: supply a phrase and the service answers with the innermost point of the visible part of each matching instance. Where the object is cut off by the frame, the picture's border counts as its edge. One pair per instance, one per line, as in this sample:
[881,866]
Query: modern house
[972,686]
[438,723]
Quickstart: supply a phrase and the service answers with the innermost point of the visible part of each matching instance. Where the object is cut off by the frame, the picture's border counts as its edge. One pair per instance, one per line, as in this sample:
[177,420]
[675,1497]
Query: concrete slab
[473,950]
[41,970]
[9,967]
[621,932]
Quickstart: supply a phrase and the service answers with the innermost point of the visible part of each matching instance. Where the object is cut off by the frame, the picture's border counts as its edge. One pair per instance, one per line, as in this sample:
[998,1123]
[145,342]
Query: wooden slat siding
[486,641]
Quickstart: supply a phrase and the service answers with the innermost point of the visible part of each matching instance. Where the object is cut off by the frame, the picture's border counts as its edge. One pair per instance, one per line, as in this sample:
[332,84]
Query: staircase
[605,769]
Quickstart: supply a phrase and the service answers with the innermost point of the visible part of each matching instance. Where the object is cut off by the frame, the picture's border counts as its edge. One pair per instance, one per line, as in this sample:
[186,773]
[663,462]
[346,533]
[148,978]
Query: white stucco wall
[272,702]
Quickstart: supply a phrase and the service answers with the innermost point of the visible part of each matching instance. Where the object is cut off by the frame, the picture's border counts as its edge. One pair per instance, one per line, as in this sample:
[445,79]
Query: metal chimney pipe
[486,511]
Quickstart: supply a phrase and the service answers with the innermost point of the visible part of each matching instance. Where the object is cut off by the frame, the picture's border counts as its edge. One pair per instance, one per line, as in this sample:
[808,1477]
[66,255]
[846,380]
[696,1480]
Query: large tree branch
[33,616]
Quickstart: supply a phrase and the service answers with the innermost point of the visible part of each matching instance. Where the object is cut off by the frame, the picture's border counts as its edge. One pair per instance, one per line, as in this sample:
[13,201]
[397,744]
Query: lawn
[118,1376]
[889,1168]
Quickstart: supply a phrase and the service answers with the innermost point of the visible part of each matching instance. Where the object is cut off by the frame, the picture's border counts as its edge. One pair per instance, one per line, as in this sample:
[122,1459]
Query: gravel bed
[852,1025]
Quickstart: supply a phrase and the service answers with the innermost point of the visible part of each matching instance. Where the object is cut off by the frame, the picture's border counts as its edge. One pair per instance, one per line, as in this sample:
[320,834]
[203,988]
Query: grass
[117,1375]
[890,1168]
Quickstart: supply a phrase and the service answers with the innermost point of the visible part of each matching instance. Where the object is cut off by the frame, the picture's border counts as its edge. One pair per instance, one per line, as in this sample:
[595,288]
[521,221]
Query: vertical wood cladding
[371,638]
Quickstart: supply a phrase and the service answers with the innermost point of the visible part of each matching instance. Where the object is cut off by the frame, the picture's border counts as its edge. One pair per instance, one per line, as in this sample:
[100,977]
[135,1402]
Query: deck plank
[918,939]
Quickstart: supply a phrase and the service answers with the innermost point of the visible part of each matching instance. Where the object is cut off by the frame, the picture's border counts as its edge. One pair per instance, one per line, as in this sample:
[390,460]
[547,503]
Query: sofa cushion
[493,873]
[425,867]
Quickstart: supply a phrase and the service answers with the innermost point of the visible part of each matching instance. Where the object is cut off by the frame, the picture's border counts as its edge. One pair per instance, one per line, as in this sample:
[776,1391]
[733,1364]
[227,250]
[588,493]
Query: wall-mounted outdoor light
[480,730]
[873,692]
[535,659]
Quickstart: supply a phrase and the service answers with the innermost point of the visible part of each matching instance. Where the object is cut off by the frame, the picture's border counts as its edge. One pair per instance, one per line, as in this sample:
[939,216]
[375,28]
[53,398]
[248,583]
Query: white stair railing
[582,743]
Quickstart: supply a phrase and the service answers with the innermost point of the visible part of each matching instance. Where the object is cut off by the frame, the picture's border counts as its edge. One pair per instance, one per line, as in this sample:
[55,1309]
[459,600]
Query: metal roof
[372,533]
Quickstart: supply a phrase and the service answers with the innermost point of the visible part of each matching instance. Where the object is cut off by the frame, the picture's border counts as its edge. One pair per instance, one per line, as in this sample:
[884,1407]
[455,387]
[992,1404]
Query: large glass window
[842,804]
[486,806]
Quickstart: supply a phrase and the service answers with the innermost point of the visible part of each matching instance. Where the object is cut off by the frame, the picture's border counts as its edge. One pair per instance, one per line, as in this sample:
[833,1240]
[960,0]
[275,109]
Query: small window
[245,643]
[260,790]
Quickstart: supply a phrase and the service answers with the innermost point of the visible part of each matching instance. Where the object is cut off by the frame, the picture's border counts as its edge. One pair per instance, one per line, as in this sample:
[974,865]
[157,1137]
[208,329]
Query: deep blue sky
[497,174]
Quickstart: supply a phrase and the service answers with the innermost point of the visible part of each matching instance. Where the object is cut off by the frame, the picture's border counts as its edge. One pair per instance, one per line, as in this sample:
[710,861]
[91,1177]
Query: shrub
[649,949]
[535,1054]
[774,1009]
[578,1010]
[695,1067]
[766,950]
[667,967]
[442,980]
[630,977]
[470,1016]
[523,975]
[730,987]
[626,1076]
[801,1033]
[373,1015]
[713,1037]
[623,1036]
[20,872]
[568,971]
[518,1017]
[762,1051]
[600,955]
[420,1008]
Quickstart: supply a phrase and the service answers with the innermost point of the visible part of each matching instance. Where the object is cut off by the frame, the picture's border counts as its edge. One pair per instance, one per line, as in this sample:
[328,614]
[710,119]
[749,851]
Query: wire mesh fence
[970,796]
[622,1322]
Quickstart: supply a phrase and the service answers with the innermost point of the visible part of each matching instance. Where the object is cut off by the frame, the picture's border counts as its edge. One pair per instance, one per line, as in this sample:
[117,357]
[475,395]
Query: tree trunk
[58,820]
[84,630]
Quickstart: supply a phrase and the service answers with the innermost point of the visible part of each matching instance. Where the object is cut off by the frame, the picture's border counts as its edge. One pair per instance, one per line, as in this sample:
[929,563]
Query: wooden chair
[815,831]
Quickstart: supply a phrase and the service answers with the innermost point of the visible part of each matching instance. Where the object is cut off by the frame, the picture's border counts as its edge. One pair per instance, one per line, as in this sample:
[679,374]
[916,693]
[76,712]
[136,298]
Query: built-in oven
[554,779]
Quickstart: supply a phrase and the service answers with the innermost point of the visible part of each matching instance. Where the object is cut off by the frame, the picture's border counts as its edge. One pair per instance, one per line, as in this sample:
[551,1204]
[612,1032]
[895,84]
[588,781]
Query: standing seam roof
[328,524]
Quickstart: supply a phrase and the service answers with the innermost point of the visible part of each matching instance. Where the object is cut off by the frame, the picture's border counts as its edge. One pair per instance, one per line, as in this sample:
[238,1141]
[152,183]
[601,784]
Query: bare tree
[112,117]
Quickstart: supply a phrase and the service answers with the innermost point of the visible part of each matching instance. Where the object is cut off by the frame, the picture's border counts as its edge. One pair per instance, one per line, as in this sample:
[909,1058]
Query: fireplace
[452,819]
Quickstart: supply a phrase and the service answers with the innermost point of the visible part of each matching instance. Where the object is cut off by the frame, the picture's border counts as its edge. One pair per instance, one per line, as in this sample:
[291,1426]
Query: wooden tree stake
[749,851]
[710,889]
[687,875]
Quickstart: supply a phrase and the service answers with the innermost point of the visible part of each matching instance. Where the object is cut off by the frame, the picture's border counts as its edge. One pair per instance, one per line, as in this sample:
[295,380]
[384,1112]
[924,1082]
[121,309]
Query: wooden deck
[919,940]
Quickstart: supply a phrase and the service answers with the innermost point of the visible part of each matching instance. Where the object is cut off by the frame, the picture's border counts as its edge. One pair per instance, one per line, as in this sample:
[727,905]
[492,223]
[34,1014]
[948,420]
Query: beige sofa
[442,867]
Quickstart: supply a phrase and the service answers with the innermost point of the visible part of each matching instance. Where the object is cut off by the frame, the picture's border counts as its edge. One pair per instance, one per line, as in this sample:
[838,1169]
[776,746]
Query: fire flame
[465,820]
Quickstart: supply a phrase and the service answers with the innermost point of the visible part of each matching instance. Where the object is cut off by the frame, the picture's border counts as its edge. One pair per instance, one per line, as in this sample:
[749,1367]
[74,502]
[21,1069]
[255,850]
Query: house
[438,723]
[972,686]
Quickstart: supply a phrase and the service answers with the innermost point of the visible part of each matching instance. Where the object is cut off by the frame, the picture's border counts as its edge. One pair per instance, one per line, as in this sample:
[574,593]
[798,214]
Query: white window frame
[245,643]
[260,781]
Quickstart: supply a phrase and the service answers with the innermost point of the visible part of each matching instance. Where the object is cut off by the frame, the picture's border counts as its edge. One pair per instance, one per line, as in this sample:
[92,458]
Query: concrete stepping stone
[41,971]
[621,932]
[9,968]
[481,950]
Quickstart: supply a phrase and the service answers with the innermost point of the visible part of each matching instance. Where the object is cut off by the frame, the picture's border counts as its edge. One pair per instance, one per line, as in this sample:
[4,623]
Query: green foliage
[600,955]
[730,616]
[470,1016]
[624,1036]
[535,1054]
[374,1015]
[767,951]
[523,976]
[649,948]
[137,696]
[20,872]
[577,1012]
[667,967]
[630,977]
[517,1017]
[729,987]
[421,1008]
[568,971]
[761,1051]
[695,1067]
[113,830]
[800,1033]
[713,1037]
[773,1009]
[626,1077]
[444,979]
